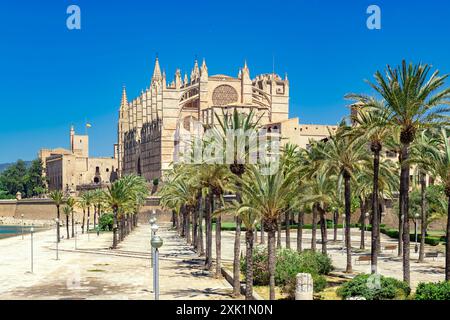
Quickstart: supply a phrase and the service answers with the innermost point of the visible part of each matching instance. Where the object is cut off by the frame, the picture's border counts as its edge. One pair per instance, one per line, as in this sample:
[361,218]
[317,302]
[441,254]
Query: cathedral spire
[204,71]
[157,71]
[124,101]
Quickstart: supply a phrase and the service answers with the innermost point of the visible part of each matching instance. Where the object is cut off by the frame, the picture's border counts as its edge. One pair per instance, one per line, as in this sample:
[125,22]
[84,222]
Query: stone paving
[93,271]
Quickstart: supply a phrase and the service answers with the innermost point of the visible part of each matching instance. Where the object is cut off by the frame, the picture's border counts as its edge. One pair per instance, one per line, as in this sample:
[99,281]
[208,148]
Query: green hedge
[393,233]
[374,287]
[433,291]
[106,221]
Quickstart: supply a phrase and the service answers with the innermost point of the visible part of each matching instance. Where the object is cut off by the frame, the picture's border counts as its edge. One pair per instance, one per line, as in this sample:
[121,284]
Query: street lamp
[57,225]
[366,216]
[416,246]
[31,232]
[154,229]
[22,225]
[157,243]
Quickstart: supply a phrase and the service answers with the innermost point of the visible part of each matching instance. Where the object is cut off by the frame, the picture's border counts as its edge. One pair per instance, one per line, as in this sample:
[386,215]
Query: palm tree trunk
[95,217]
[300,231]
[423,225]
[362,244]
[84,217]
[218,246]
[336,221]
[188,226]
[67,226]
[58,236]
[200,244]
[314,228]
[249,262]
[88,218]
[447,244]
[114,246]
[195,228]
[375,239]
[271,254]
[279,233]
[262,241]
[174,219]
[236,258]
[400,237]
[348,242]
[288,229]
[323,229]
[209,232]
[404,210]
[73,225]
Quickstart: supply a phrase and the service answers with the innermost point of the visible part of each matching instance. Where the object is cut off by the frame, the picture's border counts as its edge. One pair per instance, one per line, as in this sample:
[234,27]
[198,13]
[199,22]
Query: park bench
[390,247]
[433,255]
[363,259]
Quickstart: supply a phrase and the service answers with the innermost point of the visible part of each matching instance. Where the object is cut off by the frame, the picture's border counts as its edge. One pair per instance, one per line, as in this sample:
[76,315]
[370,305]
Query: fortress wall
[7,208]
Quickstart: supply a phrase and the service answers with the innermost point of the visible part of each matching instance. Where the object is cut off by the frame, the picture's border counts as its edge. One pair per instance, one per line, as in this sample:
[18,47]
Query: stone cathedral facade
[149,123]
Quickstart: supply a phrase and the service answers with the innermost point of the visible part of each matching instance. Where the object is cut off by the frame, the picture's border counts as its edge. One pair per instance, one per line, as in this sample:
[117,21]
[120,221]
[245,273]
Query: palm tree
[233,123]
[122,195]
[82,204]
[425,143]
[344,156]
[441,160]
[67,211]
[97,199]
[414,101]
[58,197]
[371,119]
[71,204]
[270,195]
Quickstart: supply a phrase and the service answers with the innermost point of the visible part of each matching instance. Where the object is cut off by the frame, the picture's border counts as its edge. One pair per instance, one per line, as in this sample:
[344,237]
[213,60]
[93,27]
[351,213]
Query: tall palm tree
[441,160]
[232,123]
[425,143]
[344,156]
[414,101]
[270,195]
[82,204]
[58,198]
[370,118]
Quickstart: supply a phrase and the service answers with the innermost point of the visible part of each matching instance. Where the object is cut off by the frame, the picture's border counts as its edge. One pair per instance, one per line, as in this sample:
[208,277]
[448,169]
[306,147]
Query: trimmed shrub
[106,221]
[433,291]
[374,287]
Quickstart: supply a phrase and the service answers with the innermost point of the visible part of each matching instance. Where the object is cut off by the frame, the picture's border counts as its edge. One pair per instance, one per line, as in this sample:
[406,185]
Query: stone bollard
[304,288]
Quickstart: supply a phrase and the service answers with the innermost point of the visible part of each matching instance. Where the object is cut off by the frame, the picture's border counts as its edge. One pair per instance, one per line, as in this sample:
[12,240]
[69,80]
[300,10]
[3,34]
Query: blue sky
[51,77]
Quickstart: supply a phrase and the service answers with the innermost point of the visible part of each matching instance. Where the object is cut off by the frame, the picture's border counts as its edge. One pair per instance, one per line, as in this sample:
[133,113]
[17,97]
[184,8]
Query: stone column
[304,288]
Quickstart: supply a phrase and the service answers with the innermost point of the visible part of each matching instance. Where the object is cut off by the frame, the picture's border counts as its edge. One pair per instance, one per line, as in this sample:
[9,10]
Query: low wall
[7,208]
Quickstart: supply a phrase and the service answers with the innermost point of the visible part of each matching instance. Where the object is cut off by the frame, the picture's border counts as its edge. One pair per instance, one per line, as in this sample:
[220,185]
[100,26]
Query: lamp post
[32,262]
[57,248]
[22,225]
[157,243]
[416,246]
[154,229]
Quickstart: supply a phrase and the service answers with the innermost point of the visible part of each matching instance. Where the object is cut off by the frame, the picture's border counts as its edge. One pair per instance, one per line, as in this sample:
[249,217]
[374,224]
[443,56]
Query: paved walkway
[93,271]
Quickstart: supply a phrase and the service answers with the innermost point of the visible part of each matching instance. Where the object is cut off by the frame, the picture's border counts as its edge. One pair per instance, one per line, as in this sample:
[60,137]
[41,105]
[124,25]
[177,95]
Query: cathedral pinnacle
[124,101]
[157,71]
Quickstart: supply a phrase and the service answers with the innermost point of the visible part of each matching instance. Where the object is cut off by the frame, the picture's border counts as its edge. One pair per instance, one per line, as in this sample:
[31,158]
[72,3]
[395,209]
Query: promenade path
[93,271]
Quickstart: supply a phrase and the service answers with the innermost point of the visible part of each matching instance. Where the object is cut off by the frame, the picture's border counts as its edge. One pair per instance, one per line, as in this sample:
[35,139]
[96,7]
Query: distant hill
[4,166]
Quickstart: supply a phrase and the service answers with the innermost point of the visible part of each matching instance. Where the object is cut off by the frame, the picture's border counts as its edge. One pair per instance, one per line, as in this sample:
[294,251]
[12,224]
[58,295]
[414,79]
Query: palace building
[73,170]
[149,123]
